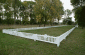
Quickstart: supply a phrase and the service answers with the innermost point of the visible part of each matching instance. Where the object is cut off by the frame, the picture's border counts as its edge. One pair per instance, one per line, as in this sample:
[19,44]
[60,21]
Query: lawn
[14,45]
[50,31]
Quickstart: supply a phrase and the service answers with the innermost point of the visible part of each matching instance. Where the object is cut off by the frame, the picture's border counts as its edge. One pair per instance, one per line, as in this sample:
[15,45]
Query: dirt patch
[18,26]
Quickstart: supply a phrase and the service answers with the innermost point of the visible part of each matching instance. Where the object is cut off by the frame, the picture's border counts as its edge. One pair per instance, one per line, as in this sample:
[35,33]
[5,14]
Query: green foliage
[80,16]
[41,10]
[79,12]
[33,21]
[18,22]
[16,3]
[27,11]
[9,20]
[2,1]
[25,22]
[29,5]
[0,21]
[64,21]
[48,10]
[76,2]
[67,21]
[0,18]
[67,13]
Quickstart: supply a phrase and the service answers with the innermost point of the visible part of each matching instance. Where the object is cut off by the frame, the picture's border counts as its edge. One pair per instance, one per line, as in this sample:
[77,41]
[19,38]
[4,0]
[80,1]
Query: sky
[66,5]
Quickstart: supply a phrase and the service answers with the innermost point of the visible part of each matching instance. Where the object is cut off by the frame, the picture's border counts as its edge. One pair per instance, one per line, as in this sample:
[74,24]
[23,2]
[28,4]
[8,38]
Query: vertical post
[35,37]
[51,39]
[45,36]
[58,42]
[48,39]
[77,25]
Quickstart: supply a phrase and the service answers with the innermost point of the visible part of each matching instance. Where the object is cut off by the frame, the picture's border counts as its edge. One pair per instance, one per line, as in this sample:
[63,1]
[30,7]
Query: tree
[67,13]
[48,10]
[79,11]
[39,12]
[9,20]
[68,21]
[0,18]
[27,10]
[13,7]
[80,16]
[16,4]
[76,3]
[56,10]
[2,1]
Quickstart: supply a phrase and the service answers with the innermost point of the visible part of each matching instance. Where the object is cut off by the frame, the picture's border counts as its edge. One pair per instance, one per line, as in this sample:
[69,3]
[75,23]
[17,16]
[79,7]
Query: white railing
[44,38]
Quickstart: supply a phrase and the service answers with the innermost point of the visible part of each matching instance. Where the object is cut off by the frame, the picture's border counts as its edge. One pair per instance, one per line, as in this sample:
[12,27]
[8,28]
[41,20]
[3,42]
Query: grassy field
[50,31]
[14,45]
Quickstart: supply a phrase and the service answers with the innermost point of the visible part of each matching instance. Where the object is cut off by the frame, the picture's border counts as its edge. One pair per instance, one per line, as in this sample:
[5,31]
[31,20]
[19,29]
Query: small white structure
[44,38]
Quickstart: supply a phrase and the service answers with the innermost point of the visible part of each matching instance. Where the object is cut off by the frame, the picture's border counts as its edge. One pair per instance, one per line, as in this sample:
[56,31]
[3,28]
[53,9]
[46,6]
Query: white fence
[44,38]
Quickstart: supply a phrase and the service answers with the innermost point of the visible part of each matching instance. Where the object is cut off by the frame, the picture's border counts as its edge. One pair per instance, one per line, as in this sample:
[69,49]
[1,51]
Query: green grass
[13,45]
[50,31]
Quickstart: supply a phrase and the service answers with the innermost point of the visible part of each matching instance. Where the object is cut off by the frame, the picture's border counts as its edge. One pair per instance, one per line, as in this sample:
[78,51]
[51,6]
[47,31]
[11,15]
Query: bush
[69,22]
[18,22]
[25,22]
[8,21]
[33,21]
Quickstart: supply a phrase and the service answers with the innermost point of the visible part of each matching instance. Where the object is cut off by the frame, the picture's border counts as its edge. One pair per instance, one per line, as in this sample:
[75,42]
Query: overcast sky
[66,5]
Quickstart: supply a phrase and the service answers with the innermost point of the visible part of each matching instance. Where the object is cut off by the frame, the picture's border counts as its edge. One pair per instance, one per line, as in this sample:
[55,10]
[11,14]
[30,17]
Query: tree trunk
[44,25]
[39,24]
[14,19]
[82,27]
[45,22]
[51,24]
[14,12]
[58,21]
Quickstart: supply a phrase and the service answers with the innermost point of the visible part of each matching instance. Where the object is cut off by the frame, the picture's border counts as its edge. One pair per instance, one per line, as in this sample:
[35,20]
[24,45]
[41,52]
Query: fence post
[77,25]
[58,43]
[35,37]
[45,36]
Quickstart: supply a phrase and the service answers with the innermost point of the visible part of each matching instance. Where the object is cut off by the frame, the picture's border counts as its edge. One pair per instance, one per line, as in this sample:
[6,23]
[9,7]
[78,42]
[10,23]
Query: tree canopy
[76,2]
[80,16]
[2,1]
[79,10]
[67,13]
[41,11]
[48,10]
